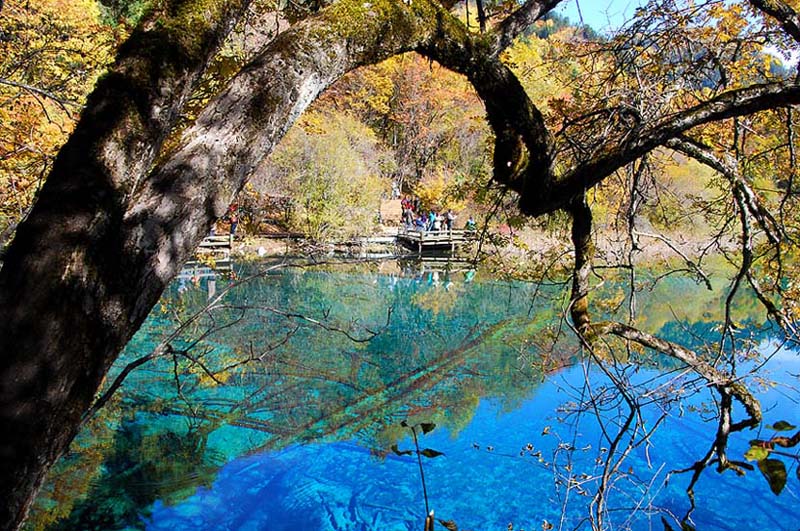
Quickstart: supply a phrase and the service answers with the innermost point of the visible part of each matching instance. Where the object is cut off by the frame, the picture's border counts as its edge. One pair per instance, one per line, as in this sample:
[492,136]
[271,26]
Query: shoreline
[528,245]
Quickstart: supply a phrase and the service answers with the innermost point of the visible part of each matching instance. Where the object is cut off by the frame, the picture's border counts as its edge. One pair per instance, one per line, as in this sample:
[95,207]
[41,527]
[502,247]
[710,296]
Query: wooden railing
[216,243]
[435,239]
[213,250]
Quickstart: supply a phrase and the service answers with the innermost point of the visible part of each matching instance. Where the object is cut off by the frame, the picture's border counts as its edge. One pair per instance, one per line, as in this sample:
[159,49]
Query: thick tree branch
[217,154]
[783,13]
[714,377]
[523,145]
[557,191]
[522,19]
[481,15]
[786,323]
[584,251]
[65,303]
[729,169]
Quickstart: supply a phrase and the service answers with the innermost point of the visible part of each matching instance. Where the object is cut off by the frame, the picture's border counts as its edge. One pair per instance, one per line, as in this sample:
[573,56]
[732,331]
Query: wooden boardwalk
[434,240]
[216,243]
[214,249]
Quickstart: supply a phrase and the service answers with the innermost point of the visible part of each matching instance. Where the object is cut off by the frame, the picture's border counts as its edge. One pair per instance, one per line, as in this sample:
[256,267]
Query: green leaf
[775,472]
[398,451]
[427,452]
[756,453]
[427,427]
[782,425]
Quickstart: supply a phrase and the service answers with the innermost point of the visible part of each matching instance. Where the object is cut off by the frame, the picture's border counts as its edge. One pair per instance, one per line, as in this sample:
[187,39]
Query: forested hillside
[406,126]
[128,128]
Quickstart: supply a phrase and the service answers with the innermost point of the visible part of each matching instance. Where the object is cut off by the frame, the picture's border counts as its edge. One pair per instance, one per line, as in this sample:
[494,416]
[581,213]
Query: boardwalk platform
[216,243]
[213,250]
[434,240]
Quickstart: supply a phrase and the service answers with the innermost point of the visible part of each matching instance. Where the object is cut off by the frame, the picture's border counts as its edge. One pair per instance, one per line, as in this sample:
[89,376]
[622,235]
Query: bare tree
[119,213]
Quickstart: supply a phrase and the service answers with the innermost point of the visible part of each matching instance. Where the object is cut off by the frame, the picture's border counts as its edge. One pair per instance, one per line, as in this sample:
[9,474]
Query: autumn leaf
[398,451]
[756,453]
[427,452]
[782,425]
[427,427]
[775,472]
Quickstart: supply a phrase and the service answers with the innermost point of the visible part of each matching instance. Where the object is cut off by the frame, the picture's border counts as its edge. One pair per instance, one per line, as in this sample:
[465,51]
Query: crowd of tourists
[417,218]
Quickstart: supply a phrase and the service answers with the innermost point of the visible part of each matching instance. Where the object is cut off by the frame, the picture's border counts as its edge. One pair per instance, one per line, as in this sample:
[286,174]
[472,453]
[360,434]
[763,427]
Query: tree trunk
[68,291]
[106,237]
[108,233]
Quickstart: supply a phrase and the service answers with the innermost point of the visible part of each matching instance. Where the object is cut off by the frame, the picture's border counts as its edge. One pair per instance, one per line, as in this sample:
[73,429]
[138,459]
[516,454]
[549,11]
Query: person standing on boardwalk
[234,218]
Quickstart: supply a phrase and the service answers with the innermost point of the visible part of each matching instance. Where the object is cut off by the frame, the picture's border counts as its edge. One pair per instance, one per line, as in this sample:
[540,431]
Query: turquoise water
[301,436]
[341,486]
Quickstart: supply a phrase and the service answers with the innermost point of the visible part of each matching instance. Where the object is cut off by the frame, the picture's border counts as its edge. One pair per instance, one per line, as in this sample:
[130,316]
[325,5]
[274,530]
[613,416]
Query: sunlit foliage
[336,172]
[51,52]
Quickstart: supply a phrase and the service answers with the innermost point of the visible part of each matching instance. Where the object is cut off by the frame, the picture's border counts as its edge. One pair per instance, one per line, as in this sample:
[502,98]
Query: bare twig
[688,261]
[41,92]
[215,305]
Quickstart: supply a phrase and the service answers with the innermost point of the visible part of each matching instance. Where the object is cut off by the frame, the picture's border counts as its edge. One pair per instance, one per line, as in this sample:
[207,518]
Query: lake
[294,402]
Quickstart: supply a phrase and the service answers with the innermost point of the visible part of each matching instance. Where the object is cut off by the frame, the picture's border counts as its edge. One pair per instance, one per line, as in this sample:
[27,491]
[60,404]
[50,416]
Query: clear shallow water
[311,447]
[341,486]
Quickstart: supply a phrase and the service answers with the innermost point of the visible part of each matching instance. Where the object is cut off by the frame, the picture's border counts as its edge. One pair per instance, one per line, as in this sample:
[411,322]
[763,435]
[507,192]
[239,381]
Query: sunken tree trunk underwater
[108,233]
[117,216]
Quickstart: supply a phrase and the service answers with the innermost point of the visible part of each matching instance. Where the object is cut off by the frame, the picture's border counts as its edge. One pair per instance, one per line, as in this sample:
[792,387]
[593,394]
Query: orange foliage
[50,56]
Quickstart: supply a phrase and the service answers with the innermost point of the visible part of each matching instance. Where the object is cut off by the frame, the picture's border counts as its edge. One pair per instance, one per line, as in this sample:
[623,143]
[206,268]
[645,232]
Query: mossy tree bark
[110,230]
[69,292]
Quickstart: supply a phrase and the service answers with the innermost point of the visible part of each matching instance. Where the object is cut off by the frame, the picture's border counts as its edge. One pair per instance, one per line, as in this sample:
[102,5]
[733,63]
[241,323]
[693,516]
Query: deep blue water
[339,485]
[310,449]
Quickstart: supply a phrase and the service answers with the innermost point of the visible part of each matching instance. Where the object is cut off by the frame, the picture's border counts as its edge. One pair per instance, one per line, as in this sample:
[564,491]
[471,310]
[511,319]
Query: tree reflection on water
[298,364]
